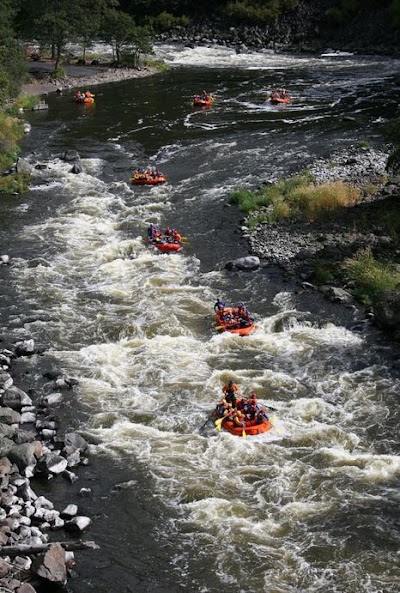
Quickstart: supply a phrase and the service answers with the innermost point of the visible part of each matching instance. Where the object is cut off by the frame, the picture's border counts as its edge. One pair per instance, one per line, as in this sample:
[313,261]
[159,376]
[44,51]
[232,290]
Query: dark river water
[311,505]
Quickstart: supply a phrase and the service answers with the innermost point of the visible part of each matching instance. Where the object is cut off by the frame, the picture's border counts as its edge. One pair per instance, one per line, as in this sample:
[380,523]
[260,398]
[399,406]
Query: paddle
[206,422]
[218,422]
[218,327]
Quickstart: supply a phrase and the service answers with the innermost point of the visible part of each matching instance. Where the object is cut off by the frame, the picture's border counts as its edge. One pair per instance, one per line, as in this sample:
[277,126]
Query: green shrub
[19,183]
[58,73]
[338,15]
[166,21]
[11,131]
[324,272]
[370,277]
[23,101]
[395,10]
[157,64]
[257,11]
[296,197]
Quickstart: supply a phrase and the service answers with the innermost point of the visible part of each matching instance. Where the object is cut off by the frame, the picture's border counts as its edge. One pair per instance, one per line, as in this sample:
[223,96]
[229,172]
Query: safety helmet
[230,383]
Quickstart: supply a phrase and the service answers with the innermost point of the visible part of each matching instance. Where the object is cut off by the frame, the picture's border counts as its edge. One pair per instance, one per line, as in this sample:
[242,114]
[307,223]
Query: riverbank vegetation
[297,197]
[371,278]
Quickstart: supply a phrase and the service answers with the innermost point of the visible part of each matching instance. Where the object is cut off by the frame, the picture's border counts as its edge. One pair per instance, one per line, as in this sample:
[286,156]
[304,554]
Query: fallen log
[26,550]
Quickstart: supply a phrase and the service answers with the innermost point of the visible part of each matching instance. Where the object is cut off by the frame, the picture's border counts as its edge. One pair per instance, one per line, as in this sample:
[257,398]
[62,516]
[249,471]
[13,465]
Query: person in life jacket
[153,233]
[230,390]
[219,306]
[243,316]
[176,236]
[238,418]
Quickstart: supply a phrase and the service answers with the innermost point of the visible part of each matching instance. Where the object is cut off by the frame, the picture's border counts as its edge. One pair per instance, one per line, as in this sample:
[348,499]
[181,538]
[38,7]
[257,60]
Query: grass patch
[23,101]
[159,65]
[370,277]
[17,183]
[324,272]
[297,197]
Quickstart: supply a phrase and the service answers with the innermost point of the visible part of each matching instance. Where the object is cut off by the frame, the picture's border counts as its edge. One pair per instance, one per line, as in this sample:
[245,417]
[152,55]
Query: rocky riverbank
[34,448]
[76,76]
[305,28]
[300,248]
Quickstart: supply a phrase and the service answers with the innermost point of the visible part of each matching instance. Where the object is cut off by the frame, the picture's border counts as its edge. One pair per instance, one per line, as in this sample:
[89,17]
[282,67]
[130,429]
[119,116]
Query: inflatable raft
[165,246]
[198,102]
[86,100]
[228,321]
[138,179]
[277,100]
[250,427]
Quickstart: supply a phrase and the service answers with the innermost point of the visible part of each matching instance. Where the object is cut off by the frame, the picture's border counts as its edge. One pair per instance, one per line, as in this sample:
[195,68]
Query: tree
[89,19]
[127,40]
[12,68]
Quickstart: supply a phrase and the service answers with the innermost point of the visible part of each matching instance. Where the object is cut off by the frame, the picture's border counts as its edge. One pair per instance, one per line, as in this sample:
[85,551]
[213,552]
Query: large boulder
[251,262]
[387,310]
[15,398]
[52,566]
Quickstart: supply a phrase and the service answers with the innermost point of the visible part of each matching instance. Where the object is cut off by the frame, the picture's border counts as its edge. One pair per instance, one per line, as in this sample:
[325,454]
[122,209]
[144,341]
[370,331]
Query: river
[311,505]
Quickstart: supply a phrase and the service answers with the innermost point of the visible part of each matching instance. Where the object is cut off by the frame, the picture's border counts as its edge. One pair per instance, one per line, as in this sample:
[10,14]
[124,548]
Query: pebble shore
[32,446]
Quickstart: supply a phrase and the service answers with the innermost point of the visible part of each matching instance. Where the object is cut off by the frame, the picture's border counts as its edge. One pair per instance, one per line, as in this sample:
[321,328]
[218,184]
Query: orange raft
[228,321]
[138,179]
[250,427]
[277,100]
[199,102]
[164,245]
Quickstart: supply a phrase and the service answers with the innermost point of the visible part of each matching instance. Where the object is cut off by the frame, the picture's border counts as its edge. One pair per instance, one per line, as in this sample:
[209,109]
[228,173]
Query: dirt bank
[77,76]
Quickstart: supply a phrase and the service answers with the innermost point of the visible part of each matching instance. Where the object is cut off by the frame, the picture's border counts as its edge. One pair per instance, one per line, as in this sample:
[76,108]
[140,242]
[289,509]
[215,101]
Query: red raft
[248,427]
[139,179]
[228,320]
[201,102]
[164,245]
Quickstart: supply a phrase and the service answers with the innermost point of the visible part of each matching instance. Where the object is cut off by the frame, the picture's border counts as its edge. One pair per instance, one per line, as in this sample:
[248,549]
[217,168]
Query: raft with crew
[149,176]
[203,100]
[168,241]
[277,97]
[240,416]
[85,97]
[235,320]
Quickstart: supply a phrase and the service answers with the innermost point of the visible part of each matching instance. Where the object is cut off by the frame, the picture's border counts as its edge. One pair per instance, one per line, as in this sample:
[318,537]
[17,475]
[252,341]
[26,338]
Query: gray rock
[5,380]
[250,262]
[55,463]
[70,156]
[52,566]
[76,169]
[386,310]
[74,441]
[15,398]
[52,399]
[9,416]
[78,524]
[22,165]
[25,348]
[23,455]
[70,511]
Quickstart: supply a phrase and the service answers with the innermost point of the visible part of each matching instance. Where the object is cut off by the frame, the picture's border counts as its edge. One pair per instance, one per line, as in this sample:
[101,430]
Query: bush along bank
[336,228]
[32,557]
[14,175]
